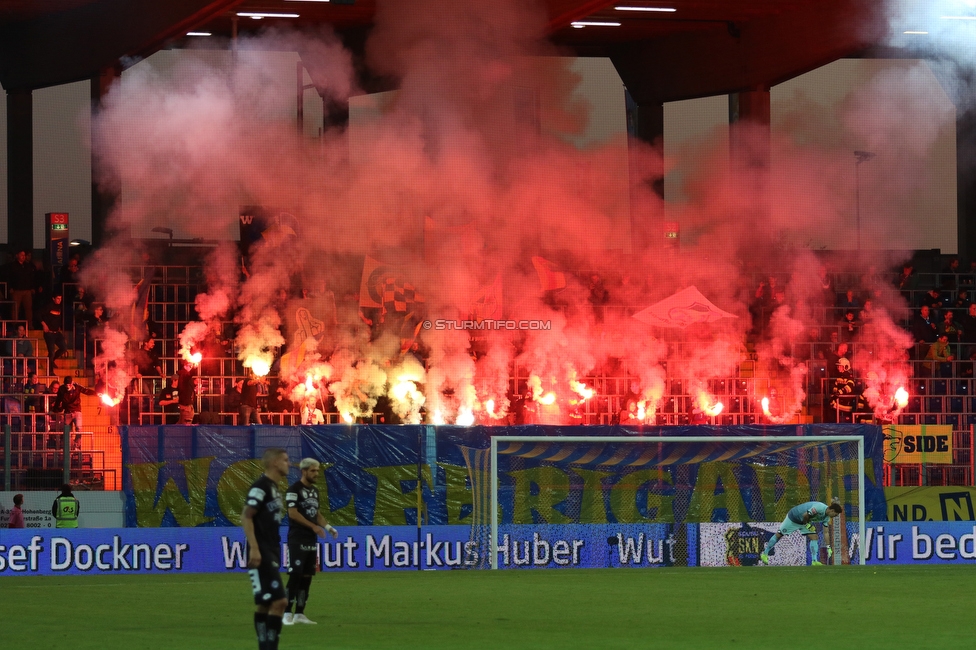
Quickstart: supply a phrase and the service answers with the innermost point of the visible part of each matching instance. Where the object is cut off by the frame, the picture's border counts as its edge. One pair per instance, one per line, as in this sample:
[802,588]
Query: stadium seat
[952,420]
[955,405]
[961,387]
[930,419]
[933,404]
[971,420]
[915,405]
[920,387]
[908,420]
[940,387]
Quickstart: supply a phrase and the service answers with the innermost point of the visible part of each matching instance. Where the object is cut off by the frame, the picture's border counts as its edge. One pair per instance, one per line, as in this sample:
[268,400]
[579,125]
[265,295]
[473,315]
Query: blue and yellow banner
[440,476]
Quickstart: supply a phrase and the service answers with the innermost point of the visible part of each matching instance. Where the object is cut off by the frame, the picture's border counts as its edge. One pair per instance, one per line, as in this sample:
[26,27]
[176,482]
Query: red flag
[550,277]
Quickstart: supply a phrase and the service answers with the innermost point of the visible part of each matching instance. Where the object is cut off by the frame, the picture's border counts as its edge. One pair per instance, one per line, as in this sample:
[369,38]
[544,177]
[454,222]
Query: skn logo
[959,505]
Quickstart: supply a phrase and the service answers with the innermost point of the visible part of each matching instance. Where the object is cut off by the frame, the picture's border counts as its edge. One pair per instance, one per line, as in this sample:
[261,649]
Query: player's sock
[261,628]
[274,631]
[770,544]
[294,587]
[815,550]
[303,595]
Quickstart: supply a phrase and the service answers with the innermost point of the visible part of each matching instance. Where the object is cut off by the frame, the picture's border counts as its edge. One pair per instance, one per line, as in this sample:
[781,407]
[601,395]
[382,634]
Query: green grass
[828,607]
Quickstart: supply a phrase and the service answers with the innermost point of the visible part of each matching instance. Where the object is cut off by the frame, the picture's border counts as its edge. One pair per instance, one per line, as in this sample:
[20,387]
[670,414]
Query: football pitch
[754,607]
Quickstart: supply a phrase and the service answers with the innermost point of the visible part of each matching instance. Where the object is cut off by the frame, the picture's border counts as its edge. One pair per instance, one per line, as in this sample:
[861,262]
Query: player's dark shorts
[266,580]
[302,557]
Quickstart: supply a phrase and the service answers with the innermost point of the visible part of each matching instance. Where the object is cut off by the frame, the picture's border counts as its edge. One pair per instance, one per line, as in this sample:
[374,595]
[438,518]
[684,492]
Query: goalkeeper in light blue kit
[802,518]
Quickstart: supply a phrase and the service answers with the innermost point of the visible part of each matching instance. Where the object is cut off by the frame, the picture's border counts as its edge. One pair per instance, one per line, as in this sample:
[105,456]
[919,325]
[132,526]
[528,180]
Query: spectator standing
[962,302]
[849,302]
[16,513]
[907,281]
[53,409]
[69,272]
[232,398]
[933,300]
[849,327]
[66,509]
[249,413]
[949,328]
[69,402]
[826,285]
[599,297]
[924,329]
[52,322]
[949,274]
[186,383]
[20,275]
[147,363]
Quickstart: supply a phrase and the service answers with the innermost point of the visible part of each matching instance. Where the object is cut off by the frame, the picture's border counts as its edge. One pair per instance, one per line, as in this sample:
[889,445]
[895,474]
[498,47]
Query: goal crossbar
[660,439]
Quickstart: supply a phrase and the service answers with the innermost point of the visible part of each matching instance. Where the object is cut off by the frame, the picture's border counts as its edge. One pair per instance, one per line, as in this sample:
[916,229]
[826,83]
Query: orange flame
[901,397]
[707,406]
[465,417]
[548,398]
[258,366]
[580,389]
[765,407]
[347,417]
[109,401]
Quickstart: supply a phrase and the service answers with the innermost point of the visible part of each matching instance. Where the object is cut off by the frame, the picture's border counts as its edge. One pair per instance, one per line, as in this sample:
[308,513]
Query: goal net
[576,501]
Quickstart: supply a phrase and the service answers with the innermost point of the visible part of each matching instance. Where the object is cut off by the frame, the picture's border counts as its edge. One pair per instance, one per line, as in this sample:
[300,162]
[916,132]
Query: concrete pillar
[103,199]
[645,124]
[749,153]
[20,169]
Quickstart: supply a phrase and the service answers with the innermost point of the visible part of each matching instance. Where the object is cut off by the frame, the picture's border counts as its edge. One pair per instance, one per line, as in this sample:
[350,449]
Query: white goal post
[675,439]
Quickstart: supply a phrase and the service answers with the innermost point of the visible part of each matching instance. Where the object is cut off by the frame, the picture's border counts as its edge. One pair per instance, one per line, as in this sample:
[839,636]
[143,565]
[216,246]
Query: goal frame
[652,439]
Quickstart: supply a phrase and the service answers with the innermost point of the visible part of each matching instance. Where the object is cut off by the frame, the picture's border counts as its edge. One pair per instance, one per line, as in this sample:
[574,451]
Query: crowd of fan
[942,324]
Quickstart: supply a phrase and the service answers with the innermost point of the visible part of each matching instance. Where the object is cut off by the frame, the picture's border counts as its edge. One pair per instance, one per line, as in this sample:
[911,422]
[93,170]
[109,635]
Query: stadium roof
[703,47]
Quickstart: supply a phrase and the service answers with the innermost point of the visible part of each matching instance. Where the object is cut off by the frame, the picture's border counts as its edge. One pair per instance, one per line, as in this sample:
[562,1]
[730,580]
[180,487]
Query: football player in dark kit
[305,525]
[260,520]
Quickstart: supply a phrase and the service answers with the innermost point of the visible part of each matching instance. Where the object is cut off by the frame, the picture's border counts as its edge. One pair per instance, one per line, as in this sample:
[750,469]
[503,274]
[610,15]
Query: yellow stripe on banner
[512,448]
[672,459]
[703,455]
[622,453]
[647,457]
[538,450]
[567,451]
[590,455]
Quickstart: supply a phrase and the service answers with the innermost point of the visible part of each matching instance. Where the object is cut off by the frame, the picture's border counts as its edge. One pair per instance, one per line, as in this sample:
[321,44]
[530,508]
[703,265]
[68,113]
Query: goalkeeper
[801,518]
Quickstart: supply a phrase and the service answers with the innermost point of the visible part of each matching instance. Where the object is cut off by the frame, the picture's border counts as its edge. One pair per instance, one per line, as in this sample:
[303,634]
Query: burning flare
[258,366]
[901,398]
[465,417]
[708,406]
